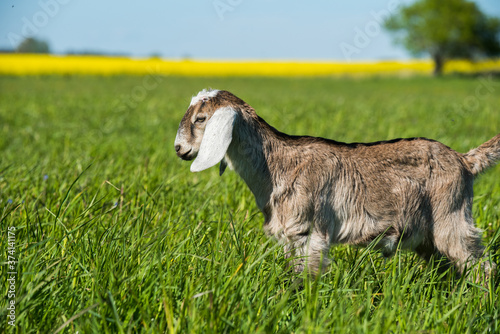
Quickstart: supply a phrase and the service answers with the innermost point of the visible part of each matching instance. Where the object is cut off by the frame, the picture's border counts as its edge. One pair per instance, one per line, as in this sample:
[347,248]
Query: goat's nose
[177,148]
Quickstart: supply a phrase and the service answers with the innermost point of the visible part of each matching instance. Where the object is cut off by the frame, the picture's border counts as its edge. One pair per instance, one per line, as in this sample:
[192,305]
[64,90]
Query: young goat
[315,192]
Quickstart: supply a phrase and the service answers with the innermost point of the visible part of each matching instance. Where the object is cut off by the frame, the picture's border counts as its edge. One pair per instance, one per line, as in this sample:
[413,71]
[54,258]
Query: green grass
[114,234]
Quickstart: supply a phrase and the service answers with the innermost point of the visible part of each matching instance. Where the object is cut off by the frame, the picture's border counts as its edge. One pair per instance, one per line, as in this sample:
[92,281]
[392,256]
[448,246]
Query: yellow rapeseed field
[30,64]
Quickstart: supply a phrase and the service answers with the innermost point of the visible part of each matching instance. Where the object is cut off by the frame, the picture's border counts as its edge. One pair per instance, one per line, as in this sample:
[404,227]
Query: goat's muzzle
[184,155]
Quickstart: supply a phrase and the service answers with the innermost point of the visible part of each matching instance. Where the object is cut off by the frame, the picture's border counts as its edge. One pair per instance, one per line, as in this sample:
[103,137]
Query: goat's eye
[200,119]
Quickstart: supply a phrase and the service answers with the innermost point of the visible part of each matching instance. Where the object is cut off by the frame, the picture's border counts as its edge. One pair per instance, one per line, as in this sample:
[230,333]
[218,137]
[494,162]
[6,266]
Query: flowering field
[15,64]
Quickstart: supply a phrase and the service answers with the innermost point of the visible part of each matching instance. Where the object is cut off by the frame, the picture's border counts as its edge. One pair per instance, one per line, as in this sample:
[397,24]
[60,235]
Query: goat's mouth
[189,155]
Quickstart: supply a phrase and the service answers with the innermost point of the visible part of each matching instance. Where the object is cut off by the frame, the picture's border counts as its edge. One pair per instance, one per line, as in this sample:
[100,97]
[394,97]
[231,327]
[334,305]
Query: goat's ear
[216,139]
[222,167]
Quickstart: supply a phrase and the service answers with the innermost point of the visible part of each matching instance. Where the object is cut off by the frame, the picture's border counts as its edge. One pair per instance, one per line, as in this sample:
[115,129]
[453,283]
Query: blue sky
[210,29]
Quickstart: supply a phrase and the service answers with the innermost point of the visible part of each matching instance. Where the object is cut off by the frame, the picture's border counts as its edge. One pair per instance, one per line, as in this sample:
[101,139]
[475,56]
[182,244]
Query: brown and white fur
[315,192]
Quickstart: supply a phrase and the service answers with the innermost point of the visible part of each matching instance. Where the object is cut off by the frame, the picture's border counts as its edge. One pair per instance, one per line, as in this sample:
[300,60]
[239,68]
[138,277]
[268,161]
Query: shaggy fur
[316,192]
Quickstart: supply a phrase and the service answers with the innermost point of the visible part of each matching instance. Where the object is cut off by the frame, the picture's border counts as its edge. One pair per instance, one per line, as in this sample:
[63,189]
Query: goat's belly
[385,236]
[361,232]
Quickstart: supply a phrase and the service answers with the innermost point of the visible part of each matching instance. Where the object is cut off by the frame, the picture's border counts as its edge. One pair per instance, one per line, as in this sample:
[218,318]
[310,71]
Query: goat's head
[206,130]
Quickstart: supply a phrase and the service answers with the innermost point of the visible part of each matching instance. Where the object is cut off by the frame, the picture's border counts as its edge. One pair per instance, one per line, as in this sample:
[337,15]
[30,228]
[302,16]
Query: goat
[316,192]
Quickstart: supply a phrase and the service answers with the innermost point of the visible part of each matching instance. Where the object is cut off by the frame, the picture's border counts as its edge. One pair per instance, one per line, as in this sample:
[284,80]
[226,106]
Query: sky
[211,29]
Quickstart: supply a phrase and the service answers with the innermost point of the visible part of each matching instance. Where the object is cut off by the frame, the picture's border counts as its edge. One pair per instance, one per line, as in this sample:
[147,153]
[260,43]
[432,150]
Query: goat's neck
[249,155]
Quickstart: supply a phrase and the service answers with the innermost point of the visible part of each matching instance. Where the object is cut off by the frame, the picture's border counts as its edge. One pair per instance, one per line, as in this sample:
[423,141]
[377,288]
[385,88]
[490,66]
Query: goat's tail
[484,156]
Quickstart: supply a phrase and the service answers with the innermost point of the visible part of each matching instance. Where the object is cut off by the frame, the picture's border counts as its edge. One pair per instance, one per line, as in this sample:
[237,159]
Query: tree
[32,45]
[445,29]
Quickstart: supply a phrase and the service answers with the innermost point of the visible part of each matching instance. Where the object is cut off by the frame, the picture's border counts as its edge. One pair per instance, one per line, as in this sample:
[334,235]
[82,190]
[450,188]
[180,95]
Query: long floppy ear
[216,140]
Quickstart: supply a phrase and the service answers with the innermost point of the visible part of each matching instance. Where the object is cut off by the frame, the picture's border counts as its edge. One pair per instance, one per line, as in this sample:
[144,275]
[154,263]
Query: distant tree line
[33,45]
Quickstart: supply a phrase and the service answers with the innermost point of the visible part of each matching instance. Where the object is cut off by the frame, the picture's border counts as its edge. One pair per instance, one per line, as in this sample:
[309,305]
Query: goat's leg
[427,251]
[317,253]
[308,251]
[460,241]
[295,253]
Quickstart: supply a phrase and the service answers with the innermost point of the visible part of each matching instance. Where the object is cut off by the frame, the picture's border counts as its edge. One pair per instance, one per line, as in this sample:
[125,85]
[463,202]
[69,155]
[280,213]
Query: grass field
[114,234]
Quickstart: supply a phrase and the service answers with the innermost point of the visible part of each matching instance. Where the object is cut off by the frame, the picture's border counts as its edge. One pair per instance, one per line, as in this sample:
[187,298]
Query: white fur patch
[204,94]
